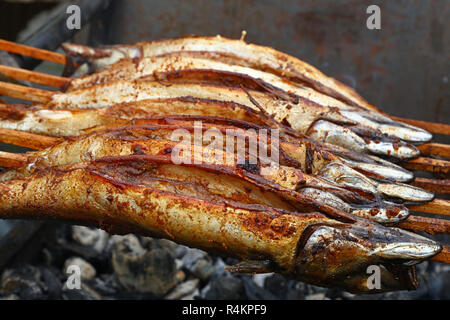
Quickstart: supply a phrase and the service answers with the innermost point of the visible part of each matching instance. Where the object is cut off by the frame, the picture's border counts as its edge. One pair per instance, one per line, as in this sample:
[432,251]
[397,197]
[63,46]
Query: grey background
[402,68]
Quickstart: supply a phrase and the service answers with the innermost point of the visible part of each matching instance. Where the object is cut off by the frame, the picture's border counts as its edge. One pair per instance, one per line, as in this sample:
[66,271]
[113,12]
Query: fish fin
[252,266]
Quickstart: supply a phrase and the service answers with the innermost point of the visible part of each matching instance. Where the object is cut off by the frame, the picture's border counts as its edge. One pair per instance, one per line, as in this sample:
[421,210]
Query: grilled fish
[145,196]
[235,52]
[302,168]
[372,126]
[142,99]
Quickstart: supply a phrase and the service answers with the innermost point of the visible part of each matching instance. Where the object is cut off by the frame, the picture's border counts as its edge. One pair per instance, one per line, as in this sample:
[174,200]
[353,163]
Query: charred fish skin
[291,241]
[337,177]
[192,99]
[50,122]
[322,121]
[124,141]
[259,57]
[120,150]
[268,60]
[191,66]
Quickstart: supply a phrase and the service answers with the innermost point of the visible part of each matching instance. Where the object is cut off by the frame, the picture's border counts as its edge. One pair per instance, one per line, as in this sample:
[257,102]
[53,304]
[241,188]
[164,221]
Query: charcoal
[184,289]
[219,268]
[84,293]
[192,296]
[106,285]
[181,251]
[152,272]
[53,280]
[97,239]
[191,256]
[316,296]
[167,245]
[133,267]
[296,292]
[255,292]
[10,297]
[202,269]
[225,287]
[276,284]
[24,282]
[89,243]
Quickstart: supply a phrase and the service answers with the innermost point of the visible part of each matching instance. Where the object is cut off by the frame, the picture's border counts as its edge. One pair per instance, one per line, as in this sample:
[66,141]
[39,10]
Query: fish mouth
[412,248]
[405,192]
[379,211]
[408,251]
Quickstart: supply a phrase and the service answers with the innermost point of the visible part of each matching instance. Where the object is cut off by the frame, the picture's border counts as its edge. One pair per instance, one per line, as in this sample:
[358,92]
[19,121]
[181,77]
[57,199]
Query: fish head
[350,256]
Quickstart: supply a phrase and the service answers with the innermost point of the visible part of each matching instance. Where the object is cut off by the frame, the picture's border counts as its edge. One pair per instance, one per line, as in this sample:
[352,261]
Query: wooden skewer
[439,128]
[437,206]
[8,159]
[25,93]
[428,164]
[28,140]
[433,185]
[33,52]
[34,76]
[435,149]
[443,256]
[429,225]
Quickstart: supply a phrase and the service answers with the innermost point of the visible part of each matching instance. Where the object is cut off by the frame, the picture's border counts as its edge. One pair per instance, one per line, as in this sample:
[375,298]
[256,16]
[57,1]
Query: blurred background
[402,68]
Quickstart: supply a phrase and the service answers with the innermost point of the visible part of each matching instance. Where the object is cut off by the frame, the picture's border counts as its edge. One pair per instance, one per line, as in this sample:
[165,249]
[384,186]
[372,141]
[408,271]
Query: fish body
[130,196]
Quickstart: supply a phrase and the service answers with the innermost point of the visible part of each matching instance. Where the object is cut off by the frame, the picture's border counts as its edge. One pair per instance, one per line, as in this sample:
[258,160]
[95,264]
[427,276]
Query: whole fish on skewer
[218,210]
[235,52]
[141,99]
[186,98]
[303,168]
[180,57]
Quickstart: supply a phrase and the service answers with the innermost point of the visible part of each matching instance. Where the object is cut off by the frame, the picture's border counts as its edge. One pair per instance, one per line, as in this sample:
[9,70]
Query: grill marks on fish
[150,137]
[101,188]
[250,55]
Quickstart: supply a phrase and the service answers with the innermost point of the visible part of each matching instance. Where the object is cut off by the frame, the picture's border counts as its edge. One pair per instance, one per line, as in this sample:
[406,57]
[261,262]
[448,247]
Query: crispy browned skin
[134,142]
[169,63]
[126,194]
[233,52]
[184,99]
[156,137]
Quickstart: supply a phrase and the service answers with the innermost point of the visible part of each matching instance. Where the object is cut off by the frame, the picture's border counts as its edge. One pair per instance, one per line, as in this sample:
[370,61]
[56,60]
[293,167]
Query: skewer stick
[33,52]
[435,149]
[433,185]
[34,76]
[428,164]
[437,206]
[439,128]
[8,159]
[429,225]
[443,256]
[28,140]
[25,93]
